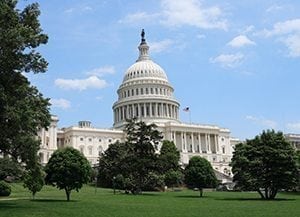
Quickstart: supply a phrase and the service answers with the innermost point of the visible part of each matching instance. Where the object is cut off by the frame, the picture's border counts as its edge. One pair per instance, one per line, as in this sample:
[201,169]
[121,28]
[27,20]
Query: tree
[265,164]
[200,174]
[23,110]
[8,167]
[34,179]
[142,141]
[134,162]
[168,164]
[169,157]
[173,178]
[111,164]
[67,169]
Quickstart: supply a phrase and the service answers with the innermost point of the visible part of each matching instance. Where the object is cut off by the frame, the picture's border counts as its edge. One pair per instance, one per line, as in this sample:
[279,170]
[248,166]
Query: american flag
[186,109]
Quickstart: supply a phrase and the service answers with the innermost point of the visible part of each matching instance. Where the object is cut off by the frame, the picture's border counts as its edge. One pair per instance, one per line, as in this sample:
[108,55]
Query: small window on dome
[147,92]
[142,72]
[151,90]
[132,92]
[142,91]
[137,91]
[156,90]
[134,73]
[137,72]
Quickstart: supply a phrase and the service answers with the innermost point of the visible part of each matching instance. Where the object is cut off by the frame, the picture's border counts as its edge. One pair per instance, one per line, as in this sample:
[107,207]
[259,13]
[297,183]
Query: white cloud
[179,13]
[159,46]
[191,12]
[78,9]
[60,103]
[248,29]
[293,44]
[274,8]
[101,71]
[293,126]
[287,32]
[283,28]
[262,121]
[228,60]
[201,36]
[139,17]
[240,41]
[81,84]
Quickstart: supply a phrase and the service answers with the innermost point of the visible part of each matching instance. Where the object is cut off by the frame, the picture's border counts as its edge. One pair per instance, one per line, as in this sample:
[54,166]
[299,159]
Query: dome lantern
[143,48]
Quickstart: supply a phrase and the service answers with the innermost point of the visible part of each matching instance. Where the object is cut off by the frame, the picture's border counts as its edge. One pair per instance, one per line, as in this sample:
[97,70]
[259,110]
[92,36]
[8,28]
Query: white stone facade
[147,95]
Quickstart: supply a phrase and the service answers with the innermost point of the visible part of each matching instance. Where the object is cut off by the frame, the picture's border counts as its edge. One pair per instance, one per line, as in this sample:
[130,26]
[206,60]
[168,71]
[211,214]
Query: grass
[91,202]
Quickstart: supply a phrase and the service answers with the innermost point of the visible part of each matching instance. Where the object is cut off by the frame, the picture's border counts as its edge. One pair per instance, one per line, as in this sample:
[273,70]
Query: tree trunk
[273,194]
[68,193]
[261,194]
[201,192]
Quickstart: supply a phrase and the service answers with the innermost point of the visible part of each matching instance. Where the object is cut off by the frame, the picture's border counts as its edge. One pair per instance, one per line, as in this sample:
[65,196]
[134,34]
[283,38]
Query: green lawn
[88,202]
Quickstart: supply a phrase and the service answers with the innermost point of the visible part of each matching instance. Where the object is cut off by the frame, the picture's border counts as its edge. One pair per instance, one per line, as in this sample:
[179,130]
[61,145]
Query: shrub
[5,189]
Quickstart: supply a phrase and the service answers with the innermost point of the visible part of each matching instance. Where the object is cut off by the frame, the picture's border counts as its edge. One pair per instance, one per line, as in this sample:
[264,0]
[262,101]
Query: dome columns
[146,110]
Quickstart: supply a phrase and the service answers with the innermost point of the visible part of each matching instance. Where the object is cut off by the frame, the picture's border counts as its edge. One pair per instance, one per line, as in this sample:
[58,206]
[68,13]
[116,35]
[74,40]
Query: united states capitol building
[145,94]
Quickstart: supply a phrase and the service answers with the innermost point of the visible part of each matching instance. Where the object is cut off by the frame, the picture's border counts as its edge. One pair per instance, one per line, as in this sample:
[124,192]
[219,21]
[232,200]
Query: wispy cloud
[287,32]
[240,41]
[274,8]
[228,60]
[60,103]
[201,36]
[139,17]
[101,71]
[262,121]
[295,127]
[180,13]
[81,84]
[78,9]
[160,46]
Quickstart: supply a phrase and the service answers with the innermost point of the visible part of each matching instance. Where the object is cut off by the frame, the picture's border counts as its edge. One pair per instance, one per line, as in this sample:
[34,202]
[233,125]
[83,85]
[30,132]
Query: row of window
[90,140]
[149,71]
[145,91]
[90,150]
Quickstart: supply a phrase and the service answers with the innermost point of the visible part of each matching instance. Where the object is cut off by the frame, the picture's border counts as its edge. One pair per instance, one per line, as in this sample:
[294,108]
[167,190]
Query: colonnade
[196,142]
[140,110]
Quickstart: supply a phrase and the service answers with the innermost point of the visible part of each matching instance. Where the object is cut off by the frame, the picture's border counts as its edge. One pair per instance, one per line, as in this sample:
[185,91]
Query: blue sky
[236,64]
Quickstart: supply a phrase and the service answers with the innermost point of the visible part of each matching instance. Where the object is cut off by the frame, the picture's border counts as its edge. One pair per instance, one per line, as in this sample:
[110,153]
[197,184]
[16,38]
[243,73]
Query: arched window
[100,149]
[81,149]
[90,148]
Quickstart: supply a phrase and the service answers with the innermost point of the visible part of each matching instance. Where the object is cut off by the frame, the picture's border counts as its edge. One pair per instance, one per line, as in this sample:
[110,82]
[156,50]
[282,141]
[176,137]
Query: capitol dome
[145,92]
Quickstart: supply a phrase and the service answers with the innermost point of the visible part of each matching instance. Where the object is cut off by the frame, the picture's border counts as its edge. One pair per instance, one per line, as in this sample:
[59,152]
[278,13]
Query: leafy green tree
[265,164]
[169,157]
[200,174]
[23,110]
[142,141]
[112,163]
[133,162]
[173,178]
[34,179]
[8,167]
[5,189]
[67,169]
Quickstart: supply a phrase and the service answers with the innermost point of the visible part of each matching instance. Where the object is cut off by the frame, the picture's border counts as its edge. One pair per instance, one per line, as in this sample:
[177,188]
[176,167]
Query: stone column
[193,144]
[150,109]
[199,143]
[139,110]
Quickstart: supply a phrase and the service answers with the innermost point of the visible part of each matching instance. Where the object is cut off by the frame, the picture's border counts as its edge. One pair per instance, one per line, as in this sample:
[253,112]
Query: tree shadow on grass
[53,200]
[192,196]
[13,205]
[255,199]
